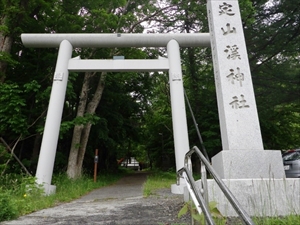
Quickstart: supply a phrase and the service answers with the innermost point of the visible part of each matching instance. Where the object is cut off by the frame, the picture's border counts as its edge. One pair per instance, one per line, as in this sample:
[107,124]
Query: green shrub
[8,208]
[4,157]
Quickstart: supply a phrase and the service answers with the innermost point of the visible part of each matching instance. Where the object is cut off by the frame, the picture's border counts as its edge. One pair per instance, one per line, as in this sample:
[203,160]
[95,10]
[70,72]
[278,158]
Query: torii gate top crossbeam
[115,40]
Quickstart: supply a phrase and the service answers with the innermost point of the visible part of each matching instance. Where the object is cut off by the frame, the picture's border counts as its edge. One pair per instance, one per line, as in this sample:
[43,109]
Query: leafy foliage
[12,104]
[189,207]
[8,208]
[273,44]
[66,126]
[134,116]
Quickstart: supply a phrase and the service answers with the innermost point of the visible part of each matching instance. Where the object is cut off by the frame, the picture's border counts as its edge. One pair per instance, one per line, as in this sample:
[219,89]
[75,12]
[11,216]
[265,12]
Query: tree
[19,74]
[157,131]
[125,20]
[127,112]
[273,37]
[14,13]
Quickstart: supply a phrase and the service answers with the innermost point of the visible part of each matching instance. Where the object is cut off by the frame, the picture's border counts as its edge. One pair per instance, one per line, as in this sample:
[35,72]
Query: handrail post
[204,183]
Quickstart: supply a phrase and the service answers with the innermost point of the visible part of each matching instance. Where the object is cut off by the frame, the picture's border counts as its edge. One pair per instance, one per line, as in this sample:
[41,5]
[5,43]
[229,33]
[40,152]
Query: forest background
[129,114]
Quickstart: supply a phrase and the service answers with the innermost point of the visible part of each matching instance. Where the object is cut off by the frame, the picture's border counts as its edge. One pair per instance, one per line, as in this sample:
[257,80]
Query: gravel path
[121,203]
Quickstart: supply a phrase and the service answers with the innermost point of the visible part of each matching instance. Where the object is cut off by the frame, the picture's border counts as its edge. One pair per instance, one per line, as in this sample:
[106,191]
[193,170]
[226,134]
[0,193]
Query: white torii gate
[66,43]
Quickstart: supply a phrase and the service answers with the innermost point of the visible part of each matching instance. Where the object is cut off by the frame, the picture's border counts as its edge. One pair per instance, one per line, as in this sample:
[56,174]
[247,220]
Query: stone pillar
[243,155]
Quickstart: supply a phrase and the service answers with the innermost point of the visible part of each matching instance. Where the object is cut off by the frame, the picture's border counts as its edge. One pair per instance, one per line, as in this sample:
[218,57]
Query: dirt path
[121,203]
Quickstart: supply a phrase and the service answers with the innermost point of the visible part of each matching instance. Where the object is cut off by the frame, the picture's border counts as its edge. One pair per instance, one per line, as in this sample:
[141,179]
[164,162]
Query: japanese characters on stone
[231,52]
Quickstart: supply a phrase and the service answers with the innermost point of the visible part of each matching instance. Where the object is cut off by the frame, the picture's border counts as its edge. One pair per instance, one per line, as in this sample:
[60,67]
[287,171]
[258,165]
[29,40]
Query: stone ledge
[249,164]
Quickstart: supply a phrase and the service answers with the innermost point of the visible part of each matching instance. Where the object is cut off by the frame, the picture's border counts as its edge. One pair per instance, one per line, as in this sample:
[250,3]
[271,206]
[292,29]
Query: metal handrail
[197,198]
[233,201]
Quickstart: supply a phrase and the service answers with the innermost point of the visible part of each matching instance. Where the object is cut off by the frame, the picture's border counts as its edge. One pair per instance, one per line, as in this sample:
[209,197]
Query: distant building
[131,163]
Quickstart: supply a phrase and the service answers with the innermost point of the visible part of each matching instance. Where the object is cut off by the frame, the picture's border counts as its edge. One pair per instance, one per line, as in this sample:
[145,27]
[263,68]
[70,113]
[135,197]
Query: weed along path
[120,203]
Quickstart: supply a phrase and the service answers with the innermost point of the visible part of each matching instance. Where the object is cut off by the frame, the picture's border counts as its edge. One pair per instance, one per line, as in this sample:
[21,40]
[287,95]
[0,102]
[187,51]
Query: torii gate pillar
[180,132]
[51,132]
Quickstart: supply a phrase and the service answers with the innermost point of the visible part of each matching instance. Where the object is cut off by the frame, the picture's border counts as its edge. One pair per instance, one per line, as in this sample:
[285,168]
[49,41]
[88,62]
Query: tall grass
[20,195]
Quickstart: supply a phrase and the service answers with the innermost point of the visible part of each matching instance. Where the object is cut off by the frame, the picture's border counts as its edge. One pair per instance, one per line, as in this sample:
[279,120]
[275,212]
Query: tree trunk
[5,47]
[36,147]
[81,132]
[76,139]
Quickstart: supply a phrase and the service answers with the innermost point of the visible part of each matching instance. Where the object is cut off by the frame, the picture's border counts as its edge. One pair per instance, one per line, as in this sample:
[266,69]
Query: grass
[19,194]
[157,180]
